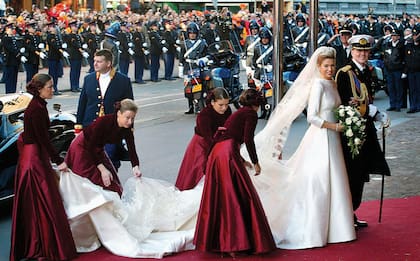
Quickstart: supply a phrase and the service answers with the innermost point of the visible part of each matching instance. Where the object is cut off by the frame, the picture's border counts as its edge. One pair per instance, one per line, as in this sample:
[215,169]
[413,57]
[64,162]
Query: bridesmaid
[231,218]
[40,229]
[208,121]
[86,156]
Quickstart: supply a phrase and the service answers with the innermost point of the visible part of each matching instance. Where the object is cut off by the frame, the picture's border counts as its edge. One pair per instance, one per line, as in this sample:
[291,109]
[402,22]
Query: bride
[307,198]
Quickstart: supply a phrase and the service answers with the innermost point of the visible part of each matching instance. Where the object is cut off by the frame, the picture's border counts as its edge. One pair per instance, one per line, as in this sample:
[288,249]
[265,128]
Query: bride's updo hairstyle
[38,82]
[325,53]
[251,97]
[126,105]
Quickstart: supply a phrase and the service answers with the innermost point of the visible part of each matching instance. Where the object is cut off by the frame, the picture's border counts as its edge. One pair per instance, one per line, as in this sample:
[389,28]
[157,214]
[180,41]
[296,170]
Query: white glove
[383,118]
[178,49]
[163,42]
[269,68]
[403,76]
[144,44]
[146,52]
[130,44]
[217,39]
[117,43]
[178,41]
[181,71]
[130,51]
[41,46]
[372,110]
[23,59]
[84,46]
[164,49]
[66,54]
[42,55]
[85,54]
[248,70]
[202,61]
[22,50]
[64,46]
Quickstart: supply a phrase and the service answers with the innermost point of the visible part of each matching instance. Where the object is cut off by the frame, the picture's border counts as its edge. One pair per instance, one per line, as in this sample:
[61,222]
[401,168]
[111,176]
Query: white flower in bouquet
[353,127]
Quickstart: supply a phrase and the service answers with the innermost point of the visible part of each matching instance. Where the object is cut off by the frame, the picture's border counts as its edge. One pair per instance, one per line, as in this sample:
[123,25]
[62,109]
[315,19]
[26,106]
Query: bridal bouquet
[354,127]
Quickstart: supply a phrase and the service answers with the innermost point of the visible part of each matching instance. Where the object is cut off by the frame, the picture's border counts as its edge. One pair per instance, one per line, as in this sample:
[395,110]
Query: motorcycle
[195,84]
[12,108]
[224,67]
[378,80]
[266,89]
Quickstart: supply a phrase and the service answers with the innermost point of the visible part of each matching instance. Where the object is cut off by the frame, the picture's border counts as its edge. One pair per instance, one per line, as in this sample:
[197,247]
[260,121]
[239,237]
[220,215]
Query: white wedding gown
[152,219]
[307,198]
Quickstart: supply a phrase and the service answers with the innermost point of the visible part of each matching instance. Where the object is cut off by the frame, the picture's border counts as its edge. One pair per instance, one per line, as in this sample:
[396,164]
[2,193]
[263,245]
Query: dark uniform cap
[153,23]
[396,32]
[300,18]
[389,28]
[9,24]
[345,29]
[123,23]
[93,22]
[31,24]
[361,42]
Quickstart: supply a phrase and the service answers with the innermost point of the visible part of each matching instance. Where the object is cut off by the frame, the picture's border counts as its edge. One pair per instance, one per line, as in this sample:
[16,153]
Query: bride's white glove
[136,171]
[105,174]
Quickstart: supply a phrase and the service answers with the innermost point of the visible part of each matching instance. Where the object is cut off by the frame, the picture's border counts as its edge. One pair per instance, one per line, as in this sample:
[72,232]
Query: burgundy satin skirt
[231,216]
[80,161]
[40,228]
[193,165]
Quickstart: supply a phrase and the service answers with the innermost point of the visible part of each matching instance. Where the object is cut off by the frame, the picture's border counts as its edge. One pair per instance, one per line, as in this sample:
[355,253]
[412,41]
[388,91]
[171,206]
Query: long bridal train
[152,218]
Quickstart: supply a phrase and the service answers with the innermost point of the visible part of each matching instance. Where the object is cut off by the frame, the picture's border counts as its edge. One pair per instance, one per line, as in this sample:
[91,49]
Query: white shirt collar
[361,67]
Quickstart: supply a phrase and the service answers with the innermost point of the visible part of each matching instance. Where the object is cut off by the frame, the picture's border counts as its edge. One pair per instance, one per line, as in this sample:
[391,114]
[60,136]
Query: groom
[354,86]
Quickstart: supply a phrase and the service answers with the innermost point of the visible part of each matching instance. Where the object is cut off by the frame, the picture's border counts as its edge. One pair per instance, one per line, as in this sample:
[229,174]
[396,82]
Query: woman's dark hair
[251,97]
[38,82]
[218,93]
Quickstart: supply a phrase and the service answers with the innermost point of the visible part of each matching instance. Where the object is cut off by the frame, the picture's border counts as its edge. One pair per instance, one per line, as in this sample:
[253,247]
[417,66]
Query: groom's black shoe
[361,223]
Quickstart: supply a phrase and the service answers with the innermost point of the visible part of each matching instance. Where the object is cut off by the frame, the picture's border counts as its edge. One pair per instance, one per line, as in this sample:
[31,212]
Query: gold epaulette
[345,69]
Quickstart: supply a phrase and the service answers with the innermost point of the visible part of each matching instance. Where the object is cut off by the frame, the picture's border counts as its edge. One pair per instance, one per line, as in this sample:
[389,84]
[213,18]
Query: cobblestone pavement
[402,151]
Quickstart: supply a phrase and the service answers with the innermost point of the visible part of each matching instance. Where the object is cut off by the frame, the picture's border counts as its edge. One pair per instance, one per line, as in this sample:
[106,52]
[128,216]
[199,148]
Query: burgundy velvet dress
[195,158]
[40,229]
[86,151]
[231,216]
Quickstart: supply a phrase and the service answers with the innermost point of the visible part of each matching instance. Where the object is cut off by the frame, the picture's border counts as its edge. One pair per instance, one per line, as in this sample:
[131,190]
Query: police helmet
[193,28]
[300,18]
[254,25]
[265,33]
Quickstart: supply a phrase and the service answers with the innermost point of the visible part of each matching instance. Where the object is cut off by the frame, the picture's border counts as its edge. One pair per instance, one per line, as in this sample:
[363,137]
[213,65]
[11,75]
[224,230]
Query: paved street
[162,133]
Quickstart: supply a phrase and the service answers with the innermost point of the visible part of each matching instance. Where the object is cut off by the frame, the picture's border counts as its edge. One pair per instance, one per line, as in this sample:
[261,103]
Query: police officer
[74,48]
[125,47]
[263,61]
[169,37]
[412,69]
[342,48]
[300,33]
[193,52]
[14,52]
[110,42]
[156,49]
[56,51]
[140,49]
[250,42]
[92,40]
[394,65]
[35,49]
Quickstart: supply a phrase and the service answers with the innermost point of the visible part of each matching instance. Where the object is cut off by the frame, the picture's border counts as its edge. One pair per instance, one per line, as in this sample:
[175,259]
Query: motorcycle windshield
[220,47]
